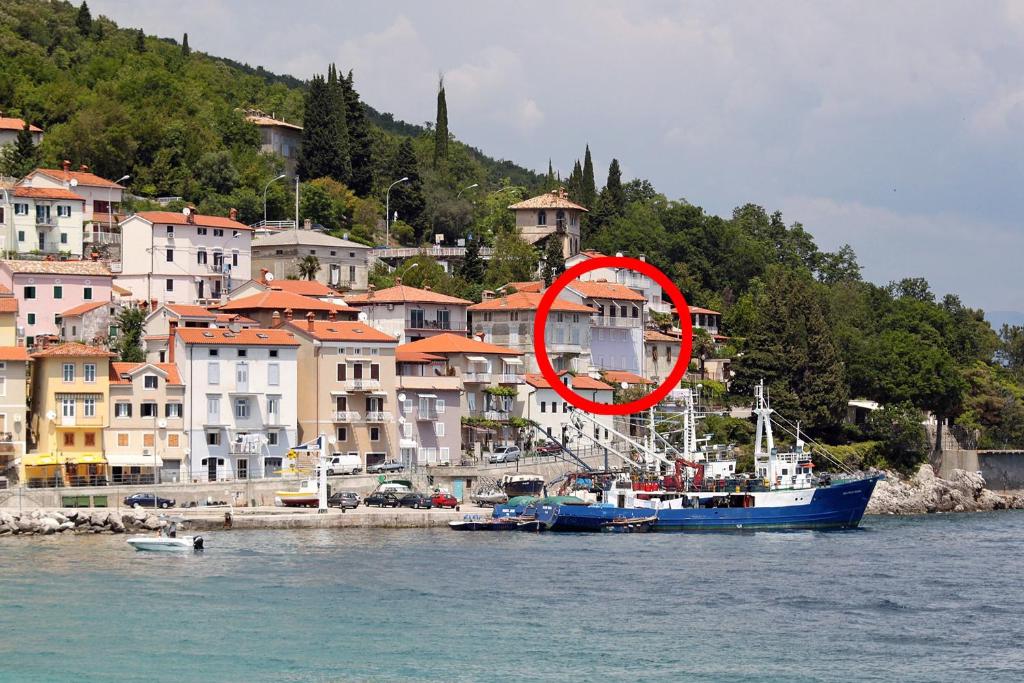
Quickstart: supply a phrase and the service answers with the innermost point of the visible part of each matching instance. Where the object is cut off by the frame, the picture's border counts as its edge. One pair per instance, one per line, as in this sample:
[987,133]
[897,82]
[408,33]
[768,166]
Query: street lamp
[387,212]
[265,188]
[466,188]
[110,205]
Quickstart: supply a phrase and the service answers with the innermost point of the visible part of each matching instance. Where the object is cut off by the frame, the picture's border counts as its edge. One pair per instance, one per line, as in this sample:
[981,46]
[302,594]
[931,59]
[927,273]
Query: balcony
[430,414]
[441,325]
[562,347]
[81,421]
[379,416]
[346,416]
[496,415]
[362,384]
[618,321]
[481,377]
[507,378]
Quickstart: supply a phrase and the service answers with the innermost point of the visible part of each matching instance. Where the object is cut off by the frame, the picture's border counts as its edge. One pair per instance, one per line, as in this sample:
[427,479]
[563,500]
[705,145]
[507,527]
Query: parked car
[549,448]
[444,500]
[416,500]
[381,499]
[344,499]
[346,463]
[504,454]
[386,466]
[148,500]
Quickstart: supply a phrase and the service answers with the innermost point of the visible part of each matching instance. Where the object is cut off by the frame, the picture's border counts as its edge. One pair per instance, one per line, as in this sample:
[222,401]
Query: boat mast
[763,439]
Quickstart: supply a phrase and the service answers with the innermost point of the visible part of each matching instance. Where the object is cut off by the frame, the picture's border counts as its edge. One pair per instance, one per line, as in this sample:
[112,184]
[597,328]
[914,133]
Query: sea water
[936,598]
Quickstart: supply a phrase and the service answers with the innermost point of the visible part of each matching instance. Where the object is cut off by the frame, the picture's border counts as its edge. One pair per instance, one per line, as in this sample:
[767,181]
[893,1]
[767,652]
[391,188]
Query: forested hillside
[800,318]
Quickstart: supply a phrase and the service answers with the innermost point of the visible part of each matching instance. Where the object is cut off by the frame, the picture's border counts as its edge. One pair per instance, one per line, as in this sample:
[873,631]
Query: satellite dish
[184,210]
[624,385]
[269,277]
[401,397]
[401,420]
[74,182]
[363,317]
[162,424]
[51,414]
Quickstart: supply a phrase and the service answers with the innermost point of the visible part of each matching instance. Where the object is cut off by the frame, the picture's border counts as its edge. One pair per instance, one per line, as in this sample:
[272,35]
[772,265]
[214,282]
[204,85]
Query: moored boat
[307,495]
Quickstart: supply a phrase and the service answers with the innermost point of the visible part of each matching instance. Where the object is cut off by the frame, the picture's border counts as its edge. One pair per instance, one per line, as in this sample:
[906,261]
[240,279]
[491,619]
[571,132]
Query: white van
[345,463]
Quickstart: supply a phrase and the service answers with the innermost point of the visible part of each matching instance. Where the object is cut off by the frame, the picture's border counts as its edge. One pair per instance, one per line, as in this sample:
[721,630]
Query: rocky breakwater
[924,492]
[42,523]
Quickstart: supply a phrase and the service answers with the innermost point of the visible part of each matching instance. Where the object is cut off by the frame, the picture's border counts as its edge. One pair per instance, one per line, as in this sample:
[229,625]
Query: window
[201,257]
[273,353]
[273,405]
[374,370]
[542,218]
[214,353]
[439,428]
[63,238]
[89,406]
[87,293]
[234,256]
[213,372]
[217,232]
[341,372]
[471,401]
[169,285]
[213,406]
[67,407]
[565,407]
[407,406]
[172,410]
[439,406]
[148,409]
[272,437]
[407,430]
[241,373]
[30,292]
[212,438]
[122,440]
[31,319]
[122,409]
[170,256]
[200,231]
[90,438]
[90,371]
[172,440]
[242,353]
[21,209]
[150,381]
[21,235]
[69,439]
[543,406]
[241,408]
[342,433]
[416,318]
[69,372]
[273,374]
[374,433]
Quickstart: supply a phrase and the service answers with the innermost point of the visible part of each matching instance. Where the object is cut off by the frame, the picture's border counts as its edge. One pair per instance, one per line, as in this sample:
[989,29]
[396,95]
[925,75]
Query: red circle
[686,343]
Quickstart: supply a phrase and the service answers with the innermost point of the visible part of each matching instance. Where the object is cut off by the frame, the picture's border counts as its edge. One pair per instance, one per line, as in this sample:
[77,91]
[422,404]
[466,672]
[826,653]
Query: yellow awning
[133,460]
[40,460]
[85,458]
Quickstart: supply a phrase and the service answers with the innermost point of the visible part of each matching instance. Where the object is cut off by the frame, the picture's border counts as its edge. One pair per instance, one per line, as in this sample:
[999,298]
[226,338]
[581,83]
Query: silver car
[504,454]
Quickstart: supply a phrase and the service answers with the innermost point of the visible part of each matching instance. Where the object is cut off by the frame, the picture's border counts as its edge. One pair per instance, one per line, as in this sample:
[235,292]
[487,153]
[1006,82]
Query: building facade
[11,126]
[429,410]
[103,198]
[410,313]
[278,137]
[343,264]
[14,362]
[43,220]
[551,213]
[538,402]
[651,290]
[661,351]
[616,325]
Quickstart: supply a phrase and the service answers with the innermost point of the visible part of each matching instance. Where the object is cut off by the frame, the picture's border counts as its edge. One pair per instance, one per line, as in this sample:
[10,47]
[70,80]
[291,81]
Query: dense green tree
[140,41]
[902,438]
[360,140]
[473,267]
[839,266]
[341,161]
[615,193]
[22,157]
[514,260]
[215,171]
[554,260]
[320,155]
[407,197]
[185,49]
[587,182]
[1011,348]
[83,20]
[441,127]
[309,266]
[129,339]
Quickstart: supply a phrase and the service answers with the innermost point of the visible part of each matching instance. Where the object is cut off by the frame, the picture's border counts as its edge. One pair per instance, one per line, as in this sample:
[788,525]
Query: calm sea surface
[937,598]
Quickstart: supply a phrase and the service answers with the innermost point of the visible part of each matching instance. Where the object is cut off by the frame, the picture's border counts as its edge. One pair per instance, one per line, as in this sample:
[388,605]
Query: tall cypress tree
[185,49]
[360,141]
[587,186]
[441,127]
[549,183]
[340,162]
[140,41]
[83,20]
[616,195]
[315,154]
[472,267]
[23,156]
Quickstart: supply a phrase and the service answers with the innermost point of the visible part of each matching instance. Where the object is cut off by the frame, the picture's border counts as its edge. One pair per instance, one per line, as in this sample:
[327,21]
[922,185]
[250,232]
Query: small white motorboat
[166,543]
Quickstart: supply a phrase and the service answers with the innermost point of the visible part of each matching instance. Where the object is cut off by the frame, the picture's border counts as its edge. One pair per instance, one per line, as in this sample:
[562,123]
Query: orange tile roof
[698,309]
[597,289]
[235,318]
[453,343]
[415,356]
[82,177]
[251,336]
[117,370]
[175,218]
[69,349]
[120,290]
[88,268]
[528,301]
[578,382]
[277,300]
[303,287]
[46,193]
[83,308]
[13,353]
[655,336]
[537,286]
[617,376]
[8,304]
[548,200]
[400,294]
[190,311]
[269,121]
[592,253]
[11,123]
[340,330]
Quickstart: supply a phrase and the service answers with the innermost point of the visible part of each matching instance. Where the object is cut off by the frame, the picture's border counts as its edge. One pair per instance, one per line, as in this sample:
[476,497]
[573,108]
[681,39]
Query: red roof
[556,199]
[532,286]
[81,177]
[175,218]
[303,287]
[340,330]
[189,311]
[528,301]
[68,349]
[11,123]
[46,193]
[277,300]
[578,382]
[400,294]
[618,376]
[13,353]
[453,343]
[251,336]
[698,309]
[655,336]
[8,304]
[119,369]
[415,356]
[591,253]
[599,289]
[83,308]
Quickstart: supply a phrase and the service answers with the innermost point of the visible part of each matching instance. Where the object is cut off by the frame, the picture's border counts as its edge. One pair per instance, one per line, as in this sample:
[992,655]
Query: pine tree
[360,141]
[324,152]
[616,195]
[554,259]
[472,267]
[341,164]
[441,127]
[140,41]
[407,198]
[22,157]
[587,185]
[185,49]
[822,386]
[83,21]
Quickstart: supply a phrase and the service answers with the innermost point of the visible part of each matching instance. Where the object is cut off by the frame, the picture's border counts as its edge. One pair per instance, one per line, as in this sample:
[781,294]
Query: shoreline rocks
[37,523]
[926,493]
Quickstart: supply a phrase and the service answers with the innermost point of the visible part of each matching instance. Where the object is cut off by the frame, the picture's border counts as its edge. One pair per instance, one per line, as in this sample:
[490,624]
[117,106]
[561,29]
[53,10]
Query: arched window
[542,218]
[560,220]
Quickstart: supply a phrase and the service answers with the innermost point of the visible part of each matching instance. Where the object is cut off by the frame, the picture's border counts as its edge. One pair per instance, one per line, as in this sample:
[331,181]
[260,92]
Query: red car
[444,500]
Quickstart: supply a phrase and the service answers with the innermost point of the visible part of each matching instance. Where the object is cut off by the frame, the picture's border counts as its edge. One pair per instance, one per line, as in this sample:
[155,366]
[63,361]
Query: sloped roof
[400,294]
[73,349]
[8,304]
[415,356]
[81,177]
[598,289]
[11,123]
[656,336]
[83,308]
[618,376]
[203,221]
[698,309]
[340,330]
[277,300]
[190,311]
[578,382]
[13,353]
[549,200]
[531,286]
[46,193]
[118,370]
[302,287]
[93,268]
[528,301]
[454,343]
[252,336]
[269,121]
[304,238]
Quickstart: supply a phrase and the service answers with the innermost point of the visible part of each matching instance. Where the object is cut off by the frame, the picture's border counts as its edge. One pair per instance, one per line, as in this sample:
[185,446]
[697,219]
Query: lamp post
[470,187]
[265,188]
[387,212]
[110,205]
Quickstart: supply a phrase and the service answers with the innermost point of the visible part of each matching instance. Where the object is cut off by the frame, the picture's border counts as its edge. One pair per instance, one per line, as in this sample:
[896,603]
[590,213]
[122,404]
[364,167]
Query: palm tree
[703,346]
[309,267]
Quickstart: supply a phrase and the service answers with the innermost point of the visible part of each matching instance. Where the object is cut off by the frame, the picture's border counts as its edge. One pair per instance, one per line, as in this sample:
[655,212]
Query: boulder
[48,525]
[57,516]
[98,519]
[152,523]
[25,525]
[72,515]
[6,518]
[66,526]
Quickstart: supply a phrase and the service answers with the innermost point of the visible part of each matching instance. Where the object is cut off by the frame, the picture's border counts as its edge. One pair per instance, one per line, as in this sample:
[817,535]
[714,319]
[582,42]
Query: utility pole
[296,202]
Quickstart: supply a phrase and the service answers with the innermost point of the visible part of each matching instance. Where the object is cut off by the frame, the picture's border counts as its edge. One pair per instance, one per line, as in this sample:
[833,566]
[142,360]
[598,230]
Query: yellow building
[8,318]
[70,396]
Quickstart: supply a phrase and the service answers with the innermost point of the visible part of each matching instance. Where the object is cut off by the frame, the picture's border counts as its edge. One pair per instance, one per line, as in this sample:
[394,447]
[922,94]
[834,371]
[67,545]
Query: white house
[10,127]
[639,282]
[102,199]
[410,313]
[240,396]
[616,326]
[183,258]
[538,402]
[42,219]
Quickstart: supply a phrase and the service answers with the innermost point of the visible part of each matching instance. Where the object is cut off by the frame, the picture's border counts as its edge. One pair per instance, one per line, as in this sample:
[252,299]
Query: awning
[427,395]
[476,359]
[407,443]
[379,392]
[133,460]
[85,459]
[512,361]
[339,393]
[40,460]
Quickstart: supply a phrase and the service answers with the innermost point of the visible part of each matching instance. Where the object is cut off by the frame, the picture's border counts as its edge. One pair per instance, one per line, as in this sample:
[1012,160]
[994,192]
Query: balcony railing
[427,414]
[346,416]
[563,347]
[81,421]
[379,416]
[618,321]
[507,378]
[102,237]
[432,325]
[495,414]
[483,377]
[362,384]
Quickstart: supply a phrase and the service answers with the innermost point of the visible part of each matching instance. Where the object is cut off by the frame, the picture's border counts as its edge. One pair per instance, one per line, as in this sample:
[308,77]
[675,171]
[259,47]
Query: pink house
[46,289]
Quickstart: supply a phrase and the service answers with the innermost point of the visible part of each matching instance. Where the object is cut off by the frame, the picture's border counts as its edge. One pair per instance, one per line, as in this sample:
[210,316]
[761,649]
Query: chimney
[190,217]
[480,336]
[310,317]
[332,314]
[275,320]
[307,223]
[426,288]
[83,168]
[66,165]
[369,291]
[263,275]
[288,314]
[171,339]
[233,214]
[643,257]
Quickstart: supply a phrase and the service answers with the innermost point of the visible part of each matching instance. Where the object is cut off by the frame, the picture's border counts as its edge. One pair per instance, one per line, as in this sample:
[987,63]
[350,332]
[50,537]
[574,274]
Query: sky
[897,128]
